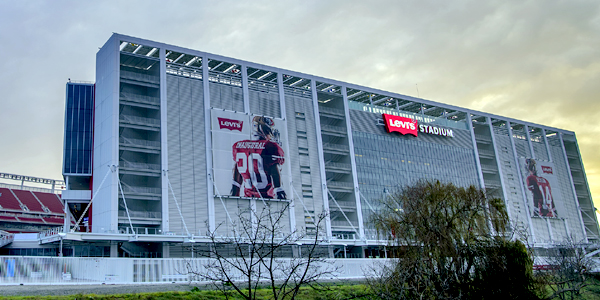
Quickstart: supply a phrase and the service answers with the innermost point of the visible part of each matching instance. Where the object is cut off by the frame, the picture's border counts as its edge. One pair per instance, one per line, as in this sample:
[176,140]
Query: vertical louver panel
[199,148]
[174,152]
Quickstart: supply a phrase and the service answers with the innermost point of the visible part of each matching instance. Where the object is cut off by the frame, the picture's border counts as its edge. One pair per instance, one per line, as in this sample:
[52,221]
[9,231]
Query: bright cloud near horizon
[537,61]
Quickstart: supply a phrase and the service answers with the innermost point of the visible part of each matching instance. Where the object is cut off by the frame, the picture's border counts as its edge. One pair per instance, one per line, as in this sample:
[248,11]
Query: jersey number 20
[253,164]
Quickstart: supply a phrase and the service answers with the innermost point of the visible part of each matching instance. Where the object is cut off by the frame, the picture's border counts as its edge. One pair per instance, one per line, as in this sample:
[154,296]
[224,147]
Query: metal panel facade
[382,162]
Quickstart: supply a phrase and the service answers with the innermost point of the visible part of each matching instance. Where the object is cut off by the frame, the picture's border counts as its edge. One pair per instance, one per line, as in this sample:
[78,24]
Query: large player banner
[248,155]
[541,185]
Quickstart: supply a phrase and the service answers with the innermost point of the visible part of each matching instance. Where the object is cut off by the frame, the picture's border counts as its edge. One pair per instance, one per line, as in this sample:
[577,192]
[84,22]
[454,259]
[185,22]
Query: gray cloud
[530,60]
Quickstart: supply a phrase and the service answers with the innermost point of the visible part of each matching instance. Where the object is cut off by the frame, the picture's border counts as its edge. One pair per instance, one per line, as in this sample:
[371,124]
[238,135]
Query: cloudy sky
[532,60]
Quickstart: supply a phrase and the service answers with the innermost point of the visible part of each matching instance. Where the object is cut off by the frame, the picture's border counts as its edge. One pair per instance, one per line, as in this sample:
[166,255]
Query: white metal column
[208,140]
[521,182]
[164,158]
[290,195]
[547,145]
[361,226]
[529,142]
[475,151]
[245,93]
[499,166]
[562,145]
[313,87]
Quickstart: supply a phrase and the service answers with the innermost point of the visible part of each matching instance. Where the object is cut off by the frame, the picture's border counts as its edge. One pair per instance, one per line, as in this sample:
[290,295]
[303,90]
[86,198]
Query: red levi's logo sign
[230,124]
[400,124]
[547,170]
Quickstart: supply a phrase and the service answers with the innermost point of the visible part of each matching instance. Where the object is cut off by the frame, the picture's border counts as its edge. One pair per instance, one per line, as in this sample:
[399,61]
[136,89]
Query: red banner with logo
[400,124]
[230,124]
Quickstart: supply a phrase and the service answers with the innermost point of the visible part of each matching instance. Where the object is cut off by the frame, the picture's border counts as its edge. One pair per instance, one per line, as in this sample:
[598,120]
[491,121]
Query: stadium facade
[183,141]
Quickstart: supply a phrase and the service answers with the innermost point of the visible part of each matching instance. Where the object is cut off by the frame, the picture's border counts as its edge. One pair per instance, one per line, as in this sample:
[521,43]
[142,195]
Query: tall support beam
[292,207]
[245,93]
[547,145]
[499,166]
[529,142]
[523,193]
[573,191]
[246,98]
[361,227]
[315,99]
[164,157]
[475,152]
[208,140]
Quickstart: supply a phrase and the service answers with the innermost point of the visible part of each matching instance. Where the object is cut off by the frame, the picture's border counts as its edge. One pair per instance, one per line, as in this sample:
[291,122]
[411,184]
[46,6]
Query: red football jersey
[254,160]
[542,195]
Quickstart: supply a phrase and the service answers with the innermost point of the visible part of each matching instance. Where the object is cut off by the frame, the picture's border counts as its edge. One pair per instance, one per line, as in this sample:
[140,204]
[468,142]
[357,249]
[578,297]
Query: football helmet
[530,162]
[262,128]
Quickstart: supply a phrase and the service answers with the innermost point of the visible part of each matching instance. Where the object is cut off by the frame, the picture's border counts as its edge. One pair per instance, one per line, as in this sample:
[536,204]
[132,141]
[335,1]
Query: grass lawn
[333,292]
[330,293]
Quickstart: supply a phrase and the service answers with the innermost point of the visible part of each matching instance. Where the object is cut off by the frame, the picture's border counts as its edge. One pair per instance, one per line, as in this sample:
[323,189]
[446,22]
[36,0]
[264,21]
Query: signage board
[410,126]
[248,155]
[541,185]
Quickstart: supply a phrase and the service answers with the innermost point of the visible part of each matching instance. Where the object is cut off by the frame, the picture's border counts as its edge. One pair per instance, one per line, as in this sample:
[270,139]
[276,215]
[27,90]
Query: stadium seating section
[52,201]
[20,207]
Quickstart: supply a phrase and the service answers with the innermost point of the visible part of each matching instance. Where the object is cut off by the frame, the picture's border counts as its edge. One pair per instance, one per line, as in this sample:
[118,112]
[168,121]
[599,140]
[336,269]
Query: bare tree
[262,253]
[565,270]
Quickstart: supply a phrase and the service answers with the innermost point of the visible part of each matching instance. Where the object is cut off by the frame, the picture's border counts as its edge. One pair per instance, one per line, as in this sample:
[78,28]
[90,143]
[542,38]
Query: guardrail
[139,143]
[139,98]
[18,270]
[6,238]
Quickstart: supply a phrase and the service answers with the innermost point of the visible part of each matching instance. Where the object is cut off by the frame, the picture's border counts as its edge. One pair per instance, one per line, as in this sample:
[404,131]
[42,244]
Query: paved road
[104,289]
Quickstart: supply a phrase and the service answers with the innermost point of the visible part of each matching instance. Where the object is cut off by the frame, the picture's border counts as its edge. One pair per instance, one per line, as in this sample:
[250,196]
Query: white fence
[16,270]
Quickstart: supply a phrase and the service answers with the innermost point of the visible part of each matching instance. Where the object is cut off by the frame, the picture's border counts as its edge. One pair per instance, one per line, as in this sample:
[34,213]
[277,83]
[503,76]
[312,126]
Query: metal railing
[229,79]
[348,255]
[140,77]
[345,236]
[184,71]
[50,232]
[340,184]
[57,190]
[490,168]
[338,165]
[141,214]
[140,230]
[139,98]
[486,152]
[332,128]
[140,120]
[345,204]
[481,137]
[328,146]
[343,224]
[140,166]
[6,238]
[331,111]
[139,143]
[141,190]
[492,183]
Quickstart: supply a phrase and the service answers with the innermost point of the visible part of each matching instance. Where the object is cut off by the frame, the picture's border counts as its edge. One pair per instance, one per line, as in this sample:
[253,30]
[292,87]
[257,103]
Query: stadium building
[172,143]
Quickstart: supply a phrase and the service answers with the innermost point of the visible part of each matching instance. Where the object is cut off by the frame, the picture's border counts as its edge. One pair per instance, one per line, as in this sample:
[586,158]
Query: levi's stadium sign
[410,126]
[400,124]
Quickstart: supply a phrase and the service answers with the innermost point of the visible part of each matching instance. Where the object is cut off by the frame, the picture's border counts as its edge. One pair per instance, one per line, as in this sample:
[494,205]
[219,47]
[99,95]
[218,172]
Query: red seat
[31,220]
[54,220]
[52,201]
[8,219]
[8,201]
[29,200]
